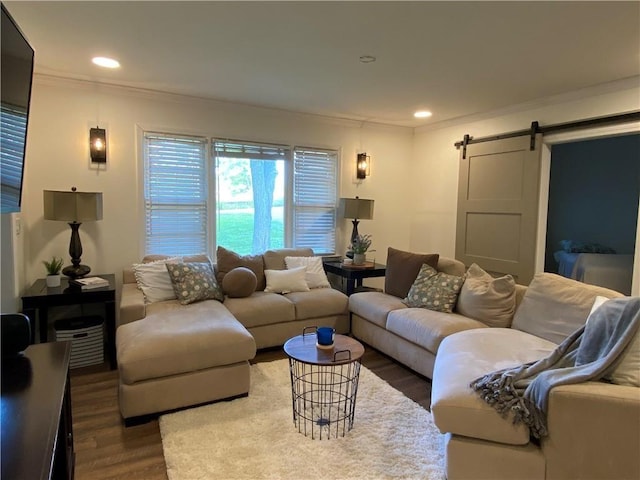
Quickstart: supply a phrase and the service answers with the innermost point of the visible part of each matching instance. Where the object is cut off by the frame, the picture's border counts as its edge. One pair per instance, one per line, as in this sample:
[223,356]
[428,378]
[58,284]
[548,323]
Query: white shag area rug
[255,438]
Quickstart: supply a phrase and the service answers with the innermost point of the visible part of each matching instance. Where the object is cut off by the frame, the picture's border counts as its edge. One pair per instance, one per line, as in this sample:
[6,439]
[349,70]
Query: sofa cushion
[261,308]
[286,281]
[451,266]
[274,259]
[490,300]
[323,302]
[228,260]
[374,306]
[173,339]
[240,282]
[553,306]
[194,281]
[402,270]
[466,356]
[427,328]
[434,290]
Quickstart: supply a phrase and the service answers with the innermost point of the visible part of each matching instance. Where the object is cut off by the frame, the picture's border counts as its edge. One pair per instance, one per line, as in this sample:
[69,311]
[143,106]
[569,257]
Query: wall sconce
[363,166]
[98,145]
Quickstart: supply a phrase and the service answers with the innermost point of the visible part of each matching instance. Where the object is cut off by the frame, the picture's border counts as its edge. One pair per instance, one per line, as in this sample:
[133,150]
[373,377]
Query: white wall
[434,181]
[414,174]
[62,111]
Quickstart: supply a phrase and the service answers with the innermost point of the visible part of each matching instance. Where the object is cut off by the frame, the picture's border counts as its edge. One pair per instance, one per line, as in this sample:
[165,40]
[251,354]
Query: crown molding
[92,86]
[593,91]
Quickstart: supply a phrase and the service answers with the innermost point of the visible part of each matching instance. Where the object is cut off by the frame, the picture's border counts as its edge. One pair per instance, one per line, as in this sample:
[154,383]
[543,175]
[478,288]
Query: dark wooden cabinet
[39,298]
[354,274]
[37,431]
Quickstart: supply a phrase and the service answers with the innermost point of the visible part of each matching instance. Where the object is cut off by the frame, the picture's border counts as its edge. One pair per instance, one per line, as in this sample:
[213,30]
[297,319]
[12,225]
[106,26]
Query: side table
[39,298]
[354,274]
[324,384]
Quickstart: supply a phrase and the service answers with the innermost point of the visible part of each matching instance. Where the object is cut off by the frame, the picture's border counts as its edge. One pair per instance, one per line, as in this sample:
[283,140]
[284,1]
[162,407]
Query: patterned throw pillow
[193,282]
[434,290]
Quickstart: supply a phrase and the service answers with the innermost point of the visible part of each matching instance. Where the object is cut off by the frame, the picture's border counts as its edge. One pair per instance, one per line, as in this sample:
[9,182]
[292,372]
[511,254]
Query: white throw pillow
[286,281]
[596,305]
[154,280]
[628,370]
[315,276]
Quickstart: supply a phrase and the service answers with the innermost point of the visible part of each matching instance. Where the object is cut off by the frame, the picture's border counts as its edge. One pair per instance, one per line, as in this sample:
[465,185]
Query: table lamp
[73,207]
[356,209]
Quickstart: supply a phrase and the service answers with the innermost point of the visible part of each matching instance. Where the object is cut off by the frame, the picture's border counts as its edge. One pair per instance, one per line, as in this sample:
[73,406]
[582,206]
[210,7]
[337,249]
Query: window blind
[314,199]
[13,126]
[253,151]
[175,194]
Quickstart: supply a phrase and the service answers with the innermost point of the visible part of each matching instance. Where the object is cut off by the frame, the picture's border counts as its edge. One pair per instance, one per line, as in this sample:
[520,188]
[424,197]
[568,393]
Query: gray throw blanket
[590,353]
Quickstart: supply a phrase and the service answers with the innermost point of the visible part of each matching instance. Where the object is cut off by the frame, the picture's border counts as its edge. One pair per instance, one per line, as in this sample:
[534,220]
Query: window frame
[211,184]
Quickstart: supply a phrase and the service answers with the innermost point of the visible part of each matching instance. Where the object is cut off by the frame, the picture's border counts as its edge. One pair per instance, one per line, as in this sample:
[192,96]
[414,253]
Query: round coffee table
[324,384]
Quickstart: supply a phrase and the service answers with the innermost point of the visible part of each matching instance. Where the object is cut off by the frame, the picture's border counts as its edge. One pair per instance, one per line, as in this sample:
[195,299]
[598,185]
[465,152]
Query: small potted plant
[53,271]
[359,248]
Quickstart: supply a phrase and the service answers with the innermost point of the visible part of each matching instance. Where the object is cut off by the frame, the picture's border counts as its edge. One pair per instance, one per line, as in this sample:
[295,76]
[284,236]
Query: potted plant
[359,248]
[53,271]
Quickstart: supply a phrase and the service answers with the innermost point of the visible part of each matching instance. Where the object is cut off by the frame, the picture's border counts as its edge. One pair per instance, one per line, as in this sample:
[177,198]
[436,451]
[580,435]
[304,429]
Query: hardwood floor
[105,449]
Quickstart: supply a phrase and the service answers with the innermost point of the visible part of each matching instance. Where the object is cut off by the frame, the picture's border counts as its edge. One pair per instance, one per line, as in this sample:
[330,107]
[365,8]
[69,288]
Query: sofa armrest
[594,431]
[132,306]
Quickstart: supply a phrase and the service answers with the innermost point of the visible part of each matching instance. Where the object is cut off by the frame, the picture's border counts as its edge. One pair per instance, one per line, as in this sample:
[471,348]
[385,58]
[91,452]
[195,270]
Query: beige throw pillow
[553,307]
[490,300]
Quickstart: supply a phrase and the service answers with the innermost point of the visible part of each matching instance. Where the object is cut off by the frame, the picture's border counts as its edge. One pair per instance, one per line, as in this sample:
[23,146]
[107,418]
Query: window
[314,199]
[264,196]
[13,128]
[175,194]
[250,195]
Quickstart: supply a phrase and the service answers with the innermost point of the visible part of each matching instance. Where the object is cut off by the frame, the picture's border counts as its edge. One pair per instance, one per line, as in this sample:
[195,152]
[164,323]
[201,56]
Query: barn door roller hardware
[536,128]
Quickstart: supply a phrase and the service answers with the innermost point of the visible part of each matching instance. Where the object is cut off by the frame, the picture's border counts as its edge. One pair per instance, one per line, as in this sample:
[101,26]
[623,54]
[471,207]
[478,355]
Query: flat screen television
[16,72]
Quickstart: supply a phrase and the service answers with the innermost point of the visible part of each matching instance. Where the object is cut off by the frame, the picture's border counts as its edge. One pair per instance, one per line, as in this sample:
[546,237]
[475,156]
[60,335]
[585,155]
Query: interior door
[498,189]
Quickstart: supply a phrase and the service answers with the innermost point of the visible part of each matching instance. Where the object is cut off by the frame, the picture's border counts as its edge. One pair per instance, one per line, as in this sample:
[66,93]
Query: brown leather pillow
[403,268]
[239,283]
[228,260]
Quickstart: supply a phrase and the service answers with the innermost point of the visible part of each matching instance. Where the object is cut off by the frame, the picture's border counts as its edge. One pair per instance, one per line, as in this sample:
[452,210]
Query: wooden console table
[37,432]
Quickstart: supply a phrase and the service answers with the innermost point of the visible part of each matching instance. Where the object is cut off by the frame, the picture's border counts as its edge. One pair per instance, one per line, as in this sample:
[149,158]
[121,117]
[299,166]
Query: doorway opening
[588,225]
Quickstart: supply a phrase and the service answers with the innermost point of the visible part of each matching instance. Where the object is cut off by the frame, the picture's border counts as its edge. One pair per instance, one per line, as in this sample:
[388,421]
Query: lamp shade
[72,206]
[359,208]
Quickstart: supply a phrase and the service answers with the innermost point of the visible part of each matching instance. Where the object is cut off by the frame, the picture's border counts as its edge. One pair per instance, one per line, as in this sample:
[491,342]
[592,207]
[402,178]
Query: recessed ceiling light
[422,114]
[106,62]
[367,59]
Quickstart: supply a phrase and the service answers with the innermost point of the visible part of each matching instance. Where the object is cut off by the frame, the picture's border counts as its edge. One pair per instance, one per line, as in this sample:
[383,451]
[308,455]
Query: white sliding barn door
[498,188]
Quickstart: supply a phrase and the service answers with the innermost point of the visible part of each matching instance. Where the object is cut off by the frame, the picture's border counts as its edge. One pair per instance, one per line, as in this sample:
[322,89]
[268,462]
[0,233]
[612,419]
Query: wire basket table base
[324,383]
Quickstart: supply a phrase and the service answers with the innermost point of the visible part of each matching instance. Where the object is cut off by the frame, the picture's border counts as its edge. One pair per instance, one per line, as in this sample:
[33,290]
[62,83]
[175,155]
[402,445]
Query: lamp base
[76,271]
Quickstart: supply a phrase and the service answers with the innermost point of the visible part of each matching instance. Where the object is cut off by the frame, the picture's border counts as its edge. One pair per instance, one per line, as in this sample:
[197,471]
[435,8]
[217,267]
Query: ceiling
[453,58]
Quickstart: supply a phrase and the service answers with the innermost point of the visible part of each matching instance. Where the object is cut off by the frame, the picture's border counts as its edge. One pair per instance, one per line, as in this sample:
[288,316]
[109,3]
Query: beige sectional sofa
[172,356]
[594,427]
